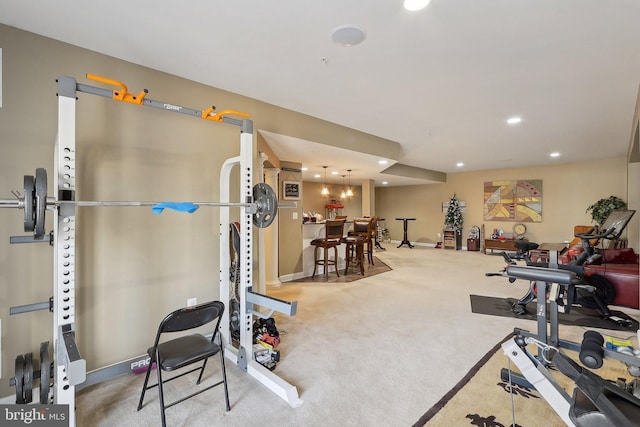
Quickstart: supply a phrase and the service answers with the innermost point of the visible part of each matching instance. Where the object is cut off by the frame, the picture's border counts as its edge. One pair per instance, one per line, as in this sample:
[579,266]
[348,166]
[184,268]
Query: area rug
[481,398]
[578,316]
[369,270]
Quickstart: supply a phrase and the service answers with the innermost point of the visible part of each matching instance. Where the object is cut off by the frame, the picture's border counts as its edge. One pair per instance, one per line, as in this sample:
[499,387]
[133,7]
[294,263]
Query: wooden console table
[499,244]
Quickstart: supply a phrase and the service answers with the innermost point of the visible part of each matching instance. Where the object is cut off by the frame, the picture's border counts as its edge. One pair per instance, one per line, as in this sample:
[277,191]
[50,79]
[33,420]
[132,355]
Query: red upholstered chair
[333,232]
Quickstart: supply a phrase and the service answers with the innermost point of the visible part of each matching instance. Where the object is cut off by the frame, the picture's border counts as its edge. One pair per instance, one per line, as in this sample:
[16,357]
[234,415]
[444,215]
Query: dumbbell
[591,351]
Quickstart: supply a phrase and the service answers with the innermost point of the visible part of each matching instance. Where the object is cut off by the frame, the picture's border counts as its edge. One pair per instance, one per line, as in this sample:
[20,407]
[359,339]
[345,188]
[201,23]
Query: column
[368,198]
[271,235]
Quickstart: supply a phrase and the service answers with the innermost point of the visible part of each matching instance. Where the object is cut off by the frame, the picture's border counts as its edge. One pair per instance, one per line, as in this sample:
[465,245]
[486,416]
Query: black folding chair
[186,350]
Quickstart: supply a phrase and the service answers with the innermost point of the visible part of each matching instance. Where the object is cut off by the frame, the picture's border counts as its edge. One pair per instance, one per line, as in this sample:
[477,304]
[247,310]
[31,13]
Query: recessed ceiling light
[382,162]
[554,154]
[334,173]
[348,35]
[384,182]
[317,175]
[514,120]
[416,4]
[459,164]
[305,169]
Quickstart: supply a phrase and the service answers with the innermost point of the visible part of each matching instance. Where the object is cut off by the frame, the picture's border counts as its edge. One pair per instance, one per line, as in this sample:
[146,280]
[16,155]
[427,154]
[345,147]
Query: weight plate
[19,379]
[28,377]
[45,372]
[266,205]
[29,190]
[41,202]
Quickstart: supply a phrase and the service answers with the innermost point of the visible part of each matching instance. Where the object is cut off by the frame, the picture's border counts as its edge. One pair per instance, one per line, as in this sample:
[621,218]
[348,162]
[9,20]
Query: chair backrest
[365,227]
[341,217]
[361,226]
[617,221]
[334,229]
[373,226]
[191,318]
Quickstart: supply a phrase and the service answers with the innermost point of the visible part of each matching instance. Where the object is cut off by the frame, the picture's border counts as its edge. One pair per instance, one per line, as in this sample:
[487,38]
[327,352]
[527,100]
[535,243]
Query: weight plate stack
[45,372]
[19,379]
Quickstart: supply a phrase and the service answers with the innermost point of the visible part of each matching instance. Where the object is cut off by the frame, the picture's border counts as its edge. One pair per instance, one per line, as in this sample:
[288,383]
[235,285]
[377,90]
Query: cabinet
[452,240]
[500,244]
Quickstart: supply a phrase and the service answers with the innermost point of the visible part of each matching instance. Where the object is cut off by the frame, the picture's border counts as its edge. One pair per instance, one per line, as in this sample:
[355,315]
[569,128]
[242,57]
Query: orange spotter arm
[122,94]
[219,116]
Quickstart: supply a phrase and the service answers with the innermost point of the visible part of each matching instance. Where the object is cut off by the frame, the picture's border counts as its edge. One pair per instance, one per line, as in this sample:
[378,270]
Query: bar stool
[372,231]
[333,231]
[354,252]
[366,228]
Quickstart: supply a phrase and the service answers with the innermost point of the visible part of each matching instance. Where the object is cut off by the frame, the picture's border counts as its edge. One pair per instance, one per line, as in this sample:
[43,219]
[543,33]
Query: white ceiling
[441,82]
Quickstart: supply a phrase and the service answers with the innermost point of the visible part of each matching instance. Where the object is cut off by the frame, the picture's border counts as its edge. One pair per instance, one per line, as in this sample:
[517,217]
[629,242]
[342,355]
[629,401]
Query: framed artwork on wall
[291,190]
[513,200]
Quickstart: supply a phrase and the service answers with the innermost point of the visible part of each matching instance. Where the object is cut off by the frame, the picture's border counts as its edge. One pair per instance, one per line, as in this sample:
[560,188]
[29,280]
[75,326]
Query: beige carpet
[379,351]
[482,398]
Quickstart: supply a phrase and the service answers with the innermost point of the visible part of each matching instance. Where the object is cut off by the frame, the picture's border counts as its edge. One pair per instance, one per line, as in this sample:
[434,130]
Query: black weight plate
[28,377]
[267,205]
[19,379]
[29,190]
[41,202]
[45,372]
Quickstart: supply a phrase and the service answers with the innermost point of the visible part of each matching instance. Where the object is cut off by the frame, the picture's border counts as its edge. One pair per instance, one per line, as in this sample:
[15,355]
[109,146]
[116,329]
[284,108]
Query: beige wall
[567,191]
[313,201]
[290,232]
[633,179]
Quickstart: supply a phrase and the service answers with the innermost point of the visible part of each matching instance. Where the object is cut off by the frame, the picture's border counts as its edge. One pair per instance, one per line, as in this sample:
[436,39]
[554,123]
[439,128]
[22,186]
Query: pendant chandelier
[325,190]
[349,191]
[343,195]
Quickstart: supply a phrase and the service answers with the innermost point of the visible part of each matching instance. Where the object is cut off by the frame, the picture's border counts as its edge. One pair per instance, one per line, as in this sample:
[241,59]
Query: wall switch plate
[192,301]
[295,215]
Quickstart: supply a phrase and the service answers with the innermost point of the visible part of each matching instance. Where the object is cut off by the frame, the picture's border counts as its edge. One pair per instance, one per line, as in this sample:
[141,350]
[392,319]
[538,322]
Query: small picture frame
[291,190]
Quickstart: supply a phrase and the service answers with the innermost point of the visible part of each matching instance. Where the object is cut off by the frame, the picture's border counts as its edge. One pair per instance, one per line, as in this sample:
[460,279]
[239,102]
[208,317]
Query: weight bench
[595,402]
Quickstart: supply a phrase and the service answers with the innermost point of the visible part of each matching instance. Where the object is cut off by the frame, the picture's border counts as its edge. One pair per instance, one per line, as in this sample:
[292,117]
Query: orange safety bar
[218,117]
[122,94]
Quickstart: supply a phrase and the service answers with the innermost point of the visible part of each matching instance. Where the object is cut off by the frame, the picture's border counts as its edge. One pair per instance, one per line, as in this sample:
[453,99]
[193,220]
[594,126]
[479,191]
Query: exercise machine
[598,292]
[595,402]
[258,207]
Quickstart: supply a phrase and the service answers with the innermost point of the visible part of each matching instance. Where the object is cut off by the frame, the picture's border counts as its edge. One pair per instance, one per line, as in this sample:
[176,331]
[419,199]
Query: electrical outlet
[295,215]
[192,301]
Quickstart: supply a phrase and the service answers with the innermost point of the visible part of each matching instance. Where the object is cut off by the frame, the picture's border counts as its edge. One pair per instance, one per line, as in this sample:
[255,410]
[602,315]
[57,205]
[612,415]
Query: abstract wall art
[513,200]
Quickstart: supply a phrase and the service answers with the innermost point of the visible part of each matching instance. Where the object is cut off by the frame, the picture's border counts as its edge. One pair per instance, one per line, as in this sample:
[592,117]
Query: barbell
[34,201]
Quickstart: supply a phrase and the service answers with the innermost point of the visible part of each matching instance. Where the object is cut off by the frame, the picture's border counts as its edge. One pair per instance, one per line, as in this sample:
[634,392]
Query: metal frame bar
[540,378]
[70,368]
[243,354]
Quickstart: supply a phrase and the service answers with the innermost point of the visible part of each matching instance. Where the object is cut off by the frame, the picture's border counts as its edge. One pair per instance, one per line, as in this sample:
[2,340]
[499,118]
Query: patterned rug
[369,270]
[481,398]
